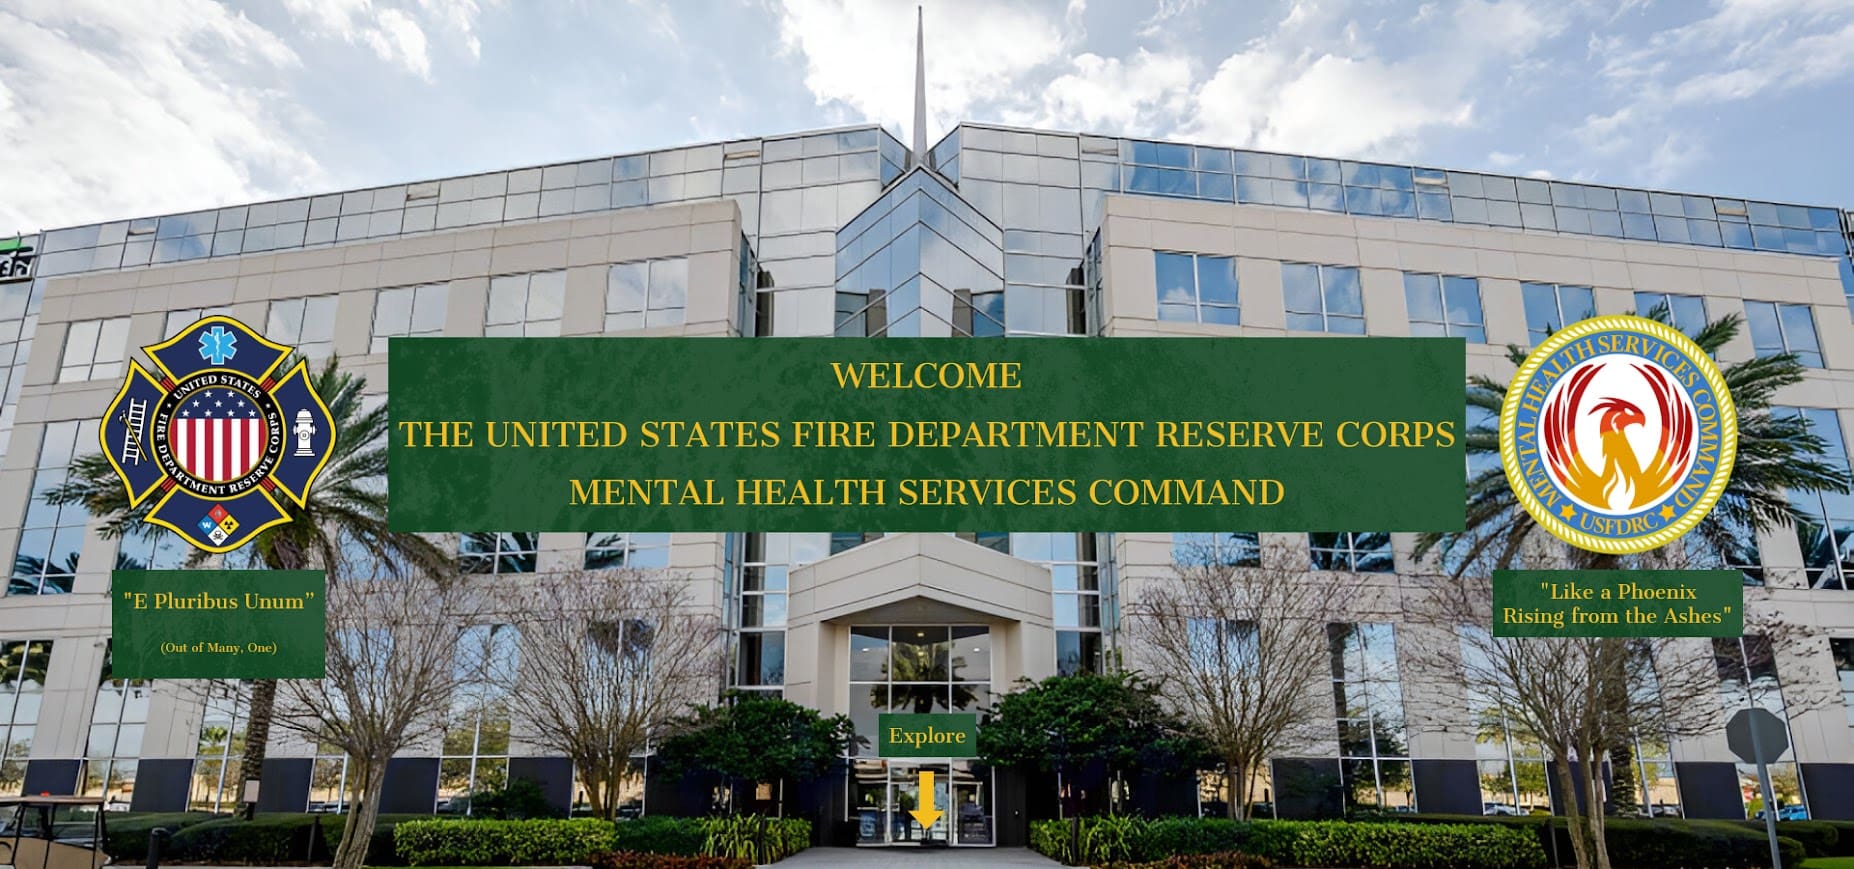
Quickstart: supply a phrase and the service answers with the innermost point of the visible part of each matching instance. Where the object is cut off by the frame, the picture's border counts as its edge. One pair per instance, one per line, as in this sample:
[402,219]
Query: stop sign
[1756,736]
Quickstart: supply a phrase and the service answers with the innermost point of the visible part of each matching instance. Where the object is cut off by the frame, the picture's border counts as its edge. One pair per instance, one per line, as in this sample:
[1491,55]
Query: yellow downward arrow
[926,815]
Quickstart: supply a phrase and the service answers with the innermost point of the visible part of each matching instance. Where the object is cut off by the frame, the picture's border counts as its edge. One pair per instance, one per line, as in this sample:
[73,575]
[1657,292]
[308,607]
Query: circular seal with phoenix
[1618,434]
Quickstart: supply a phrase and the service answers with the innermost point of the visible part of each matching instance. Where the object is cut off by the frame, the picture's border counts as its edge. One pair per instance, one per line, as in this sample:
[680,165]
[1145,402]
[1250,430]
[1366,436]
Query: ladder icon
[132,438]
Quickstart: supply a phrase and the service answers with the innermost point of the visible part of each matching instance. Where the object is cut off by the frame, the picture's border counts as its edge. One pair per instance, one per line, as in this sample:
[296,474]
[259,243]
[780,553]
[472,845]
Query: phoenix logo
[1618,434]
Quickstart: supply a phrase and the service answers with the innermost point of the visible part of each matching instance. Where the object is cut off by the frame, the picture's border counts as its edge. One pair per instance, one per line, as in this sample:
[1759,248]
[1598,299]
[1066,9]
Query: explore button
[936,735]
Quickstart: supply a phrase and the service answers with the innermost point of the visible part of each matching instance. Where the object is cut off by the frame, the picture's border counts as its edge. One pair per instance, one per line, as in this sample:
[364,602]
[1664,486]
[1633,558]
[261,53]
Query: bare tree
[399,647]
[1580,698]
[607,658]
[1236,644]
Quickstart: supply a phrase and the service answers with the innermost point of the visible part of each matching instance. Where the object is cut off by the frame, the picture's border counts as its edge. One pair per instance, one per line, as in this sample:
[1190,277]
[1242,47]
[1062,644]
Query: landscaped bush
[1224,860]
[501,843]
[269,840]
[1407,846]
[1818,838]
[661,834]
[756,838]
[1636,843]
[644,860]
[1110,840]
[127,835]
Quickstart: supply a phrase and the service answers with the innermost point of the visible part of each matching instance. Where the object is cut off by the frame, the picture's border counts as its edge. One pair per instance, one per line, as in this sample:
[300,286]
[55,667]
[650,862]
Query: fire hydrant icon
[304,429]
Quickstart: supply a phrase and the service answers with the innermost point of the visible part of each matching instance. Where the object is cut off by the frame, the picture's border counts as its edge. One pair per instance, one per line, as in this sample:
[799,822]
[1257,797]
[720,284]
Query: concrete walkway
[914,858]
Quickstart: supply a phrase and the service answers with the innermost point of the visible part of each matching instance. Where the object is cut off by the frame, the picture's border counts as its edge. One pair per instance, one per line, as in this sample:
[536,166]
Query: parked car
[1498,809]
[1664,810]
[1788,813]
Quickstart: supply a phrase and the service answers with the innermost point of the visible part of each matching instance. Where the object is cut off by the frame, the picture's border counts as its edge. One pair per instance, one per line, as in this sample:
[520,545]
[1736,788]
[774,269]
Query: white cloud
[460,16]
[1107,94]
[1315,84]
[1501,159]
[859,53]
[394,35]
[112,110]
[1672,157]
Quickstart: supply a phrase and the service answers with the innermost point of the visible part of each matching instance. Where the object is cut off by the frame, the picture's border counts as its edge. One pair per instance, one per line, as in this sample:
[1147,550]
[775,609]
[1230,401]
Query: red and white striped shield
[216,449]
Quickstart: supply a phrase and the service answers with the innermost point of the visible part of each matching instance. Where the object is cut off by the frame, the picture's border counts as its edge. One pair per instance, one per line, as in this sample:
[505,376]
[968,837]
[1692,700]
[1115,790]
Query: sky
[122,108]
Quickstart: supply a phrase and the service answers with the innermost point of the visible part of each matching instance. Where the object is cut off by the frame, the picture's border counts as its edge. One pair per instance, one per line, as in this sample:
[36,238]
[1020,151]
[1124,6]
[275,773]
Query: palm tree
[1777,456]
[343,521]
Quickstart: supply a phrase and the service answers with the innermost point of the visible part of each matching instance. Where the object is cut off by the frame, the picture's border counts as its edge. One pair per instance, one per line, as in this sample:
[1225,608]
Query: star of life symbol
[222,441]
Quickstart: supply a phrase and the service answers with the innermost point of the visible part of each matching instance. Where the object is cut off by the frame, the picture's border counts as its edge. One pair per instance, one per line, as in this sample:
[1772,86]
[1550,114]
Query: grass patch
[1829,863]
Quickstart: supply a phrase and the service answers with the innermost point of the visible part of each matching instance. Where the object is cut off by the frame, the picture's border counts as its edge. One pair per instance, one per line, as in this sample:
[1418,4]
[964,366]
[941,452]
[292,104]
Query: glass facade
[920,262]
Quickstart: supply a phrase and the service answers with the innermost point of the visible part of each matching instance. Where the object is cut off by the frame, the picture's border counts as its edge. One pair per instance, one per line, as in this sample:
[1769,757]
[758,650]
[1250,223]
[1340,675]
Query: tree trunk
[363,816]
[1574,820]
[1238,803]
[257,739]
[1595,798]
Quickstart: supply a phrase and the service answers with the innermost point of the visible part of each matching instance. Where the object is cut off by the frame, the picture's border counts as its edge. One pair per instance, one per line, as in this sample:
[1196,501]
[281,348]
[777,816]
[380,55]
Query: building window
[476,746]
[1843,650]
[643,294]
[93,349]
[759,655]
[1826,532]
[1510,760]
[218,771]
[155,549]
[23,664]
[181,319]
[1358,551]
[608,549]
[51,536]
[1237,549]
[1444,306]
[1747,668]
[1550,307]
[116,725]
[1323,298]
[491,552]
[1081,610]
[918,669]
[1196,288]
[1368,703]
[1778,329]
[525,305]
[1686,313]
[328,779]
[306,324]
[408,312]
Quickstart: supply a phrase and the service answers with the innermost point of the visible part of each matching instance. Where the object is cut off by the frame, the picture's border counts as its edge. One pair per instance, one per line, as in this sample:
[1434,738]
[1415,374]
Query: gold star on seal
[1565,511]
[1667,512]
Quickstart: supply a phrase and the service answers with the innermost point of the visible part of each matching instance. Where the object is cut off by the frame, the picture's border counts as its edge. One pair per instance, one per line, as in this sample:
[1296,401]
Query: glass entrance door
[887,793]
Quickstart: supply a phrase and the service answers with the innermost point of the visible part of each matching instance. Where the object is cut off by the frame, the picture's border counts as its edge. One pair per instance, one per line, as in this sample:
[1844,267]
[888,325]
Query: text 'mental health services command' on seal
[940,434]
[213,624]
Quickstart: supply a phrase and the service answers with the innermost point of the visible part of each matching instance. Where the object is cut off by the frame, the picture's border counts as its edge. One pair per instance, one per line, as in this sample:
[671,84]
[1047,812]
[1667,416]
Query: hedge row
[647,860]
[1422,842]
[1672,842]
[535,842]
[1114,840]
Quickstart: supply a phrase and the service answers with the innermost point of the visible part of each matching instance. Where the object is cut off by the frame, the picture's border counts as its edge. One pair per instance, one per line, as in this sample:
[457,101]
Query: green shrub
[1693,844]
[1406,846]
[1842,848]
[1223,860]
[1818,838]
[1173,836]
[756,838]
[268,840]
[662,834]
[643,860]
[501,843]
[127,835]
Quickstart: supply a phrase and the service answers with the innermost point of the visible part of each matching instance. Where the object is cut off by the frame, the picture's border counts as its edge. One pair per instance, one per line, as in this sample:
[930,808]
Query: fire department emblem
[1618,434]
[216,435]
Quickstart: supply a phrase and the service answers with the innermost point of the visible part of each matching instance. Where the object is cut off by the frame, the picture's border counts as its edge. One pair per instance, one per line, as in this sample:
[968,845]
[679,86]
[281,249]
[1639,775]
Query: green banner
[937,734]
[218,624]
[926,434]
[1618,603]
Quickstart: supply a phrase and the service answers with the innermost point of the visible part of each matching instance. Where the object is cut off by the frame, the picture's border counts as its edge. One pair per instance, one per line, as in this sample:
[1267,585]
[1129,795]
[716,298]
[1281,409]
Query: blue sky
[120,108]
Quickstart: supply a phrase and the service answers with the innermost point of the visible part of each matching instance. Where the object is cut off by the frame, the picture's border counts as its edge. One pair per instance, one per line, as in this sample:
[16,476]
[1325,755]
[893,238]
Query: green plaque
[1618,603]
[938,734]
[219,624]
[926,434]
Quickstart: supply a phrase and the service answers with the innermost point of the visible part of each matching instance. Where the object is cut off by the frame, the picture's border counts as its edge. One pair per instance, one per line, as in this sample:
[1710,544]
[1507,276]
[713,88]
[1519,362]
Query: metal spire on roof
[920,90]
